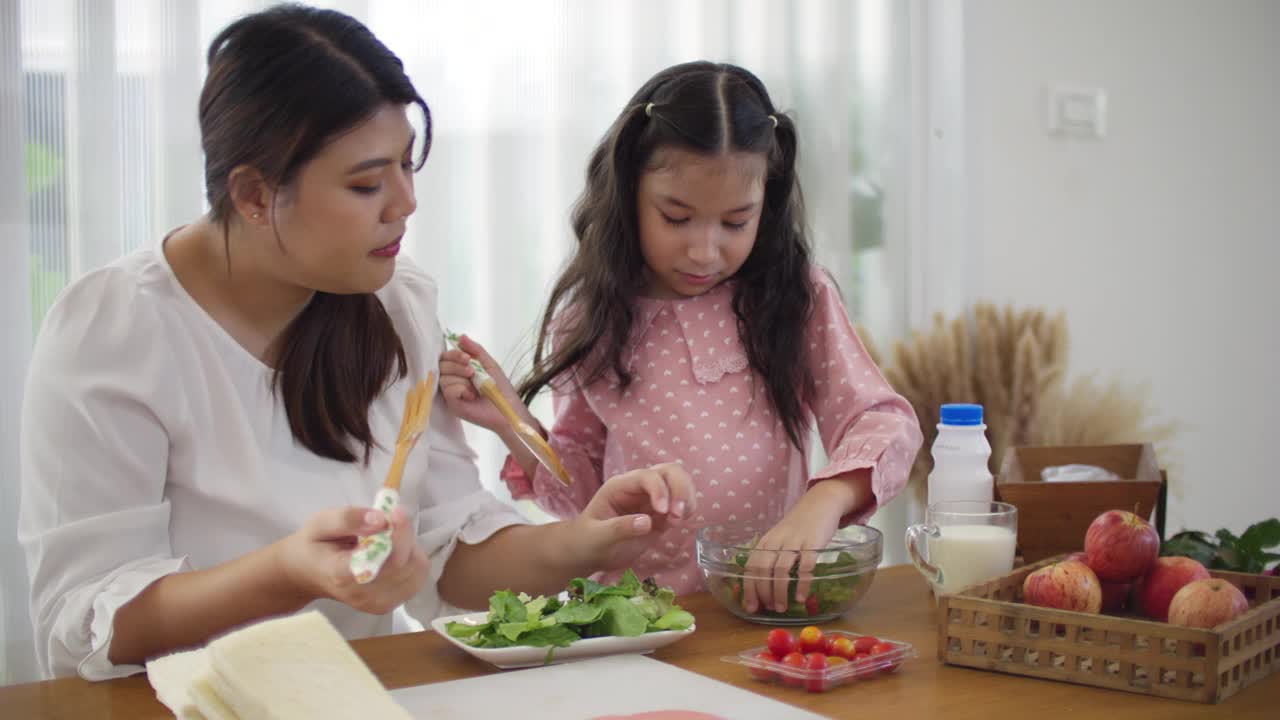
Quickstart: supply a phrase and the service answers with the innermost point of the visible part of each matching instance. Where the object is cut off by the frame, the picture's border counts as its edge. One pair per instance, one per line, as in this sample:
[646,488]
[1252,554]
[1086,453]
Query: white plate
[521,656]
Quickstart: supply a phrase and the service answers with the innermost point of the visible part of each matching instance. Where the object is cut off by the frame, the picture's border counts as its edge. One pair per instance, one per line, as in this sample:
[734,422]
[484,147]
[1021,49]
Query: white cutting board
[614,685]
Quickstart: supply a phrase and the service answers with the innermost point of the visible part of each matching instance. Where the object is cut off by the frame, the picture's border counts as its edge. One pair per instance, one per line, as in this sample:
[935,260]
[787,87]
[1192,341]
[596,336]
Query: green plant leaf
[666,599]
[505,607]
[621,618]
[1192,544]
[1263,535]
[648,607]
[534,608]
[587,589]
[578,613]
[463,631]
[629,583]
[1227,558]
[675,620]
[1195,535]
[554,635]
[627,609]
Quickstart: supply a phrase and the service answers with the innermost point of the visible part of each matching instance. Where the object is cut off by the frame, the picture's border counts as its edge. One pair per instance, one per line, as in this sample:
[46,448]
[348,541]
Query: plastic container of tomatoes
[819,661]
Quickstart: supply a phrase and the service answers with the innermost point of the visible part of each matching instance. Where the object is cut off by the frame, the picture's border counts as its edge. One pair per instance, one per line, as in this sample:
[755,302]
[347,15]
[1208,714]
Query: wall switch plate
[1075,111]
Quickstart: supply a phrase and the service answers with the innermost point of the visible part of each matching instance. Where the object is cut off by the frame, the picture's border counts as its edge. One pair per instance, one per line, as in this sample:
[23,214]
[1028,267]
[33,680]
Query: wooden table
[898,606]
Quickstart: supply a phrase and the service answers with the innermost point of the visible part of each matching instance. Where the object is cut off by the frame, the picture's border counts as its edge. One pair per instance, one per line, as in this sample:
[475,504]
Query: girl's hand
[629,510]
[461,396]
[317,559]
[796,538]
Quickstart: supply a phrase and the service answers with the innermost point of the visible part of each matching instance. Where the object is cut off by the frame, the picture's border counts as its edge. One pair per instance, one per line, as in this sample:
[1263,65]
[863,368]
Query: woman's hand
[317,559]
[628,511]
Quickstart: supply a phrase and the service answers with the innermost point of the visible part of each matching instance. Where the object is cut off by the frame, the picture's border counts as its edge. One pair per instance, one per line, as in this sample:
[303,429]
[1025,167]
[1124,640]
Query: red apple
[1120,546]
[1078,555]
[1152,593]
[1115,596]
[1207,604]
[1066,585]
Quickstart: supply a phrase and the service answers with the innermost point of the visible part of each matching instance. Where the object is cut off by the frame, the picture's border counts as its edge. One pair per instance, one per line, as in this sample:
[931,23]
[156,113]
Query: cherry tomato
[864,644]
[811,605]
[764,673]
[810,639]
[881,649]
[794,661]
[735,589]
[825,645]
[816,663]
[834,662]
[780,642]
[841,647]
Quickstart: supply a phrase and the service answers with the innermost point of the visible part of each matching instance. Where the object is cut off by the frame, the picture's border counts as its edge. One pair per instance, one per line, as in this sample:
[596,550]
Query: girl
[205,422]
[691,326]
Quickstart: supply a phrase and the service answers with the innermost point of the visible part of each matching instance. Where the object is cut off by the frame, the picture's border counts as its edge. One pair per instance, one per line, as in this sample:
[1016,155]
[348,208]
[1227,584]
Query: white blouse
[152,443]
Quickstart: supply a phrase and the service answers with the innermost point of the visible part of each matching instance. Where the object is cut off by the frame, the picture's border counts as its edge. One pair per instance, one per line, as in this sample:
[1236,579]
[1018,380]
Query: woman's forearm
[186,609]
[536,559]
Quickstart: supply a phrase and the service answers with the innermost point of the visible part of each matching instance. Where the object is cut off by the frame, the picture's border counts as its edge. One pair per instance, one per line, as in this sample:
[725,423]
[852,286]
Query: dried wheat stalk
[1014,363]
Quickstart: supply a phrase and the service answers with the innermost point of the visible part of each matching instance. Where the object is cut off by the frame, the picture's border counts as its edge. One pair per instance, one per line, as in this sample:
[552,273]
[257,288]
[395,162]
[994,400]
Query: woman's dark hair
[282,84]
[709,109]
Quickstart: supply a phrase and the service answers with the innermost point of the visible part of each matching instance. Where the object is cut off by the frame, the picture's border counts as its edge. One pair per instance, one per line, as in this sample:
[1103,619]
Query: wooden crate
[1053,517]
[986,626]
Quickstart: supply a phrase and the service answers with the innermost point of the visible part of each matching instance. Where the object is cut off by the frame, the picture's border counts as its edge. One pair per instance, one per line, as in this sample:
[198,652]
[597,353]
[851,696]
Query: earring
[257,216]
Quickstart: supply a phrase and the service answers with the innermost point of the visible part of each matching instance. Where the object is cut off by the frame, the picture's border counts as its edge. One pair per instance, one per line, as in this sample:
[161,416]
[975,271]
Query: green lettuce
[627,608]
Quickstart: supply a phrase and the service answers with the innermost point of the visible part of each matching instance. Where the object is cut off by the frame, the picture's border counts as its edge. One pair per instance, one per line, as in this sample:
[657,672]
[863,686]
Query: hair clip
[774,118]
[648,110]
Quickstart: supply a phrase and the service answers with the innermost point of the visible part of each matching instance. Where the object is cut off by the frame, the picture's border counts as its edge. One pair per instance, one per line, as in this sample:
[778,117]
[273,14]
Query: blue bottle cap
[961,414]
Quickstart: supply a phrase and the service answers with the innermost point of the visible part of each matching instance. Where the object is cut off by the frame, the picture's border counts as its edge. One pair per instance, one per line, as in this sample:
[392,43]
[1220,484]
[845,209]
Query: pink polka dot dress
[694,400]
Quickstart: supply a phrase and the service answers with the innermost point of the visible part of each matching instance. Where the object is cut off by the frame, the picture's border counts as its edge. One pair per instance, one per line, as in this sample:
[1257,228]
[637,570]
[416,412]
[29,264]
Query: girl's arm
[871,436]
[870,432]
[577,435]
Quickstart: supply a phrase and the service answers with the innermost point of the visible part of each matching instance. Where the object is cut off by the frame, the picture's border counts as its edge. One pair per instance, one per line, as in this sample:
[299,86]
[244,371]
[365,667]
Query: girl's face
[698,216]
[340,222]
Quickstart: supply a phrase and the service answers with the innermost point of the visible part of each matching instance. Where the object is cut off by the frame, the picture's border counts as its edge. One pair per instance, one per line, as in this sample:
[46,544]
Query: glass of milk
[963,542]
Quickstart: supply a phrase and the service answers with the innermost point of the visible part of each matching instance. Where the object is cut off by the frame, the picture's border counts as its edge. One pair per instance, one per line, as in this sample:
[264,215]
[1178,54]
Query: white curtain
[99,154]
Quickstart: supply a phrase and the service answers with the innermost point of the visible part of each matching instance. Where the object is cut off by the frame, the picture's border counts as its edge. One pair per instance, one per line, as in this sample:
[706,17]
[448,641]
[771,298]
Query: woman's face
[341,220]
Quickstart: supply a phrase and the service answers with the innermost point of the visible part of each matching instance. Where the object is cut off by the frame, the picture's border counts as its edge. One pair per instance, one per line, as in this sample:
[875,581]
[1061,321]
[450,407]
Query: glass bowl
[842,576]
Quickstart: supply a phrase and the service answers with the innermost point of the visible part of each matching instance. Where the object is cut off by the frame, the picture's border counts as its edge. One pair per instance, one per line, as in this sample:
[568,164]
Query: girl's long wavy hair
[709,109]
